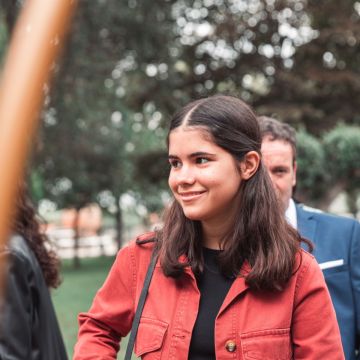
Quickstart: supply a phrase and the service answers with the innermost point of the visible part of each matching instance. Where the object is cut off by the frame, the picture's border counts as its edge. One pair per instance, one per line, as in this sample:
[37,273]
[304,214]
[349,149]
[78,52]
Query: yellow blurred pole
[35,44]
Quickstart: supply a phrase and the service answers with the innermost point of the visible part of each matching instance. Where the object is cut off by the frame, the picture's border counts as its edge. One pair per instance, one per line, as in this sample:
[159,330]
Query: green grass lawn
[75,295]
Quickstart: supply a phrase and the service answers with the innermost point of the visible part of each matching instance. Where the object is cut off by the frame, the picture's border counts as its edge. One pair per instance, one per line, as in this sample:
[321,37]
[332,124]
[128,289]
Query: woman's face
[204,178]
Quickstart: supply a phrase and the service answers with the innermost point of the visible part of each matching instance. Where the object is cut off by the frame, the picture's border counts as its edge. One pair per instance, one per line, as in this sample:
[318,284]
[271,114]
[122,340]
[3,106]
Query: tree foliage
[129,64]
[342,148]
[311,169]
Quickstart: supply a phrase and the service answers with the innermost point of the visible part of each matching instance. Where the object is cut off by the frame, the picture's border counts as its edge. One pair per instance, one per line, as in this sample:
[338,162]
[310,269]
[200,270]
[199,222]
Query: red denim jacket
[296,323]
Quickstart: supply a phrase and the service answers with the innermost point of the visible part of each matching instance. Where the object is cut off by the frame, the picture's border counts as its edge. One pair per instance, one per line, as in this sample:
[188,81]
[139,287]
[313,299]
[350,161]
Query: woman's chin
[193,216]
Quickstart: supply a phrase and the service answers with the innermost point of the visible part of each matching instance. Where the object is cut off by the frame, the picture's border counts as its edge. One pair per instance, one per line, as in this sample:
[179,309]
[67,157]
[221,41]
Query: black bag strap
[140,307]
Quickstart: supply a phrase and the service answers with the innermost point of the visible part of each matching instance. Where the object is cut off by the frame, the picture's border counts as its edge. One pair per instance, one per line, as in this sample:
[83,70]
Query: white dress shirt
[290,214]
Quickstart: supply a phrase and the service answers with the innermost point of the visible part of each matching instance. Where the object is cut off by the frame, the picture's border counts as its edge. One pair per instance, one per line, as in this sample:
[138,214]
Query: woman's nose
[186,175]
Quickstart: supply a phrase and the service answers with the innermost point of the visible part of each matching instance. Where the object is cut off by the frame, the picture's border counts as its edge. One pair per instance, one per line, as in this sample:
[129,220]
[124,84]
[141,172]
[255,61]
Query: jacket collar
[306,223]
[238,286]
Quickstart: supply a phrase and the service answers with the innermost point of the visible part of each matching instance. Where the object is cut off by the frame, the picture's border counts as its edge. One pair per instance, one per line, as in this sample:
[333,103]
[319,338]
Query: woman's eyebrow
[201,153]
[172,157]
[192,155]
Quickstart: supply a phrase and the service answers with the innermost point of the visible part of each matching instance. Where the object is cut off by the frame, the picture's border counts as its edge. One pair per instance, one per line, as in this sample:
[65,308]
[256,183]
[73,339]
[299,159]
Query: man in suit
[336,239]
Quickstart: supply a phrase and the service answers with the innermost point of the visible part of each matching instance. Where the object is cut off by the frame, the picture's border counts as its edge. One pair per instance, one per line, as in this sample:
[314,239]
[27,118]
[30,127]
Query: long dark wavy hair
[260,233]
[27,224]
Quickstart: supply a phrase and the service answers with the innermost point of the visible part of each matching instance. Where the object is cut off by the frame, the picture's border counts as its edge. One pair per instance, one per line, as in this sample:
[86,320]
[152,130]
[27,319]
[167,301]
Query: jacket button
[230,346]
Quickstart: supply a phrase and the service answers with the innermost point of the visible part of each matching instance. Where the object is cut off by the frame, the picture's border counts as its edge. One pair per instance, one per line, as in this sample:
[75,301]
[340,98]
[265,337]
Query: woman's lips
[190,195]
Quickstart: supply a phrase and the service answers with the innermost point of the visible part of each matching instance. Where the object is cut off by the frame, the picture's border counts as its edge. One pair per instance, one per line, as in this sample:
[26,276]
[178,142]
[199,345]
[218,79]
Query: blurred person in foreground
[336,239]
[28,325]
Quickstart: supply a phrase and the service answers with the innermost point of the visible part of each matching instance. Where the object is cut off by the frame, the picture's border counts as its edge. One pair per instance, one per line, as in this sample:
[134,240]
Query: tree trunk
[351,200]
[76,258]
[119,227]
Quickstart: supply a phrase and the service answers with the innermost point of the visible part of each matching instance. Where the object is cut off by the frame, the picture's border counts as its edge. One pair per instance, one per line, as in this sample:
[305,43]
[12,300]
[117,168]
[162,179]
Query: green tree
[139,61]
[342,149]
[90,135]
[312,175]
[319,84]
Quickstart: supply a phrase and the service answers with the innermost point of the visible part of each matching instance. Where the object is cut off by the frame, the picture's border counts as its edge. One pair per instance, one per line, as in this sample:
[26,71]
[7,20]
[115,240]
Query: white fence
[89,246]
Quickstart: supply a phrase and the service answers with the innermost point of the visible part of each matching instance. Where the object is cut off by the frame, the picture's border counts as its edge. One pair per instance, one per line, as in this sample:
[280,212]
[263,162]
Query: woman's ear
[249,164]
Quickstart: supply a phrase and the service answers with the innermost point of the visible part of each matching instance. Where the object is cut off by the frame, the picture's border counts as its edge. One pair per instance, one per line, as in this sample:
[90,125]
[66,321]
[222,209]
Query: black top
[213,288]
[28,325]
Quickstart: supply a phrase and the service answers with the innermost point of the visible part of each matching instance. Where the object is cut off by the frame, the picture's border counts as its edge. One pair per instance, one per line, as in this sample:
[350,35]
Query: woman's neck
[214,233]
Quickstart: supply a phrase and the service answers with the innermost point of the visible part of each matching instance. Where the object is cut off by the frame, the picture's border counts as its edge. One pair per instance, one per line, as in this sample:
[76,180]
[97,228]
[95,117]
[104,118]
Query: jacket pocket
[274,344]
[150,338]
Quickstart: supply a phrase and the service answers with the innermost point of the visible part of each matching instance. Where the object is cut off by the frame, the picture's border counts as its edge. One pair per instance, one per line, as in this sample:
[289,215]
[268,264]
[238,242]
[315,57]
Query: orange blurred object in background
[31,55]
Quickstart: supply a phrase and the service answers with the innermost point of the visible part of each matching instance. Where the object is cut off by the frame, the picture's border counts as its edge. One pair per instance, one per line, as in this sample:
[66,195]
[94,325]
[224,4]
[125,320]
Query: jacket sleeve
[315,331]
[355,278]
[111,314]
[17,309]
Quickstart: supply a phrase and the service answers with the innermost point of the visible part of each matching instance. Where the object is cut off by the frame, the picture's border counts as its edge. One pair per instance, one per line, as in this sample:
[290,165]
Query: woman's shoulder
[140,248]
[18,248]
[143,242]
[305,257]
[304,260]
[307,266]
[134,258]
[146,238]
[21,264]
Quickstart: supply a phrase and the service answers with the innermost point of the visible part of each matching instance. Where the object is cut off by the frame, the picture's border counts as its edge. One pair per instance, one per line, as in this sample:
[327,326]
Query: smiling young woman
[214,147]
[205,180]
[231,280]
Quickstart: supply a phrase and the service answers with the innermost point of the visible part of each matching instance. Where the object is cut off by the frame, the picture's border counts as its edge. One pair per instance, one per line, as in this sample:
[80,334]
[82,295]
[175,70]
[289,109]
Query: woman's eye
[201,160]
[174,163]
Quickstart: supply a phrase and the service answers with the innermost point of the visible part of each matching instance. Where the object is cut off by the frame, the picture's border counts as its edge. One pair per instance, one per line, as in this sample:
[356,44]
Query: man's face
[278,159]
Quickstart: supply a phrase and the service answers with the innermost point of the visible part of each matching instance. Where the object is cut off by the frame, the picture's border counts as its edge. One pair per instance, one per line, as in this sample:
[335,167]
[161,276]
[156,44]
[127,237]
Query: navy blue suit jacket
[337,250]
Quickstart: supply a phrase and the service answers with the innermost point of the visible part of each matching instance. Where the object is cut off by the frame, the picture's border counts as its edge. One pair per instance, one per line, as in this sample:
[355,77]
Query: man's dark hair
[277,130]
